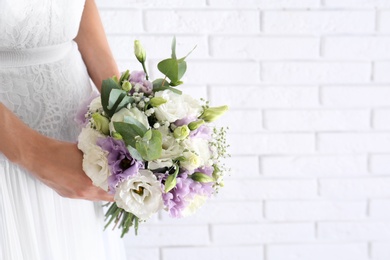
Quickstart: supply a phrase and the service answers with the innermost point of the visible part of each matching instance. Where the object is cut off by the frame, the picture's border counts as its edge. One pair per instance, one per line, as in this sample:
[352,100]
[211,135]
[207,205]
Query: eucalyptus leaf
[129,132]
[170,88]
[169,68]
[150,149]
[107,86]
[160,83]
[133,121]
[115,95]
[173,47]
[134,153]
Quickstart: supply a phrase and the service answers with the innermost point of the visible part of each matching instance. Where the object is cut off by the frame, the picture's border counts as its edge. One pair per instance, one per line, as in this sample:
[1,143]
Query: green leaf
[148,135]
[170,182]
[173,47]
[182,67]
[150,149]
[107,85]
[134,153]
[128,132]
[160,83]
[132,121]
[179,92]
[169,67]
[125,76]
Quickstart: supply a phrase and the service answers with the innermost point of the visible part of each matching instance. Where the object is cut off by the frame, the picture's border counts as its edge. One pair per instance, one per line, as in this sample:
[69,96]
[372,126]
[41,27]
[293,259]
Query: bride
[48,51]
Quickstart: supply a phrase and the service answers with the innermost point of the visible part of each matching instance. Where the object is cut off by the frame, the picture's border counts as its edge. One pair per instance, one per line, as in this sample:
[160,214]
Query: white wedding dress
[43,80]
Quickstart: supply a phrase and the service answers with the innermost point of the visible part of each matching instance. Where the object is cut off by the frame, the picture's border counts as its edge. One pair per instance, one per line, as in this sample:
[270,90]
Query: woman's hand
[59,166]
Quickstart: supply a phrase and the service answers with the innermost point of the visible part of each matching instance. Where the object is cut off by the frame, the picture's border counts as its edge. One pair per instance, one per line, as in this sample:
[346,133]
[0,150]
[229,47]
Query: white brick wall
[307,82]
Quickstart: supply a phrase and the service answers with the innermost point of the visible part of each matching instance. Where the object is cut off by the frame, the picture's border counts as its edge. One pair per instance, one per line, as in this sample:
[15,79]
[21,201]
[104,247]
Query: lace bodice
[36,23]
[42,76]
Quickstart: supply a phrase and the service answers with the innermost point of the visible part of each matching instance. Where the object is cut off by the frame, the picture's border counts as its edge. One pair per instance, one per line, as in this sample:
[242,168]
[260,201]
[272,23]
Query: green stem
[146,72]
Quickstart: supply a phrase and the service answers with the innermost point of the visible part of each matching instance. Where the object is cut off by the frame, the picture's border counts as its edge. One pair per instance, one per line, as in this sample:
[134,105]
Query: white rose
[194,205]
[176,107]
[132,112]
[140,195]
[88,138]
[95,166]
[96,104]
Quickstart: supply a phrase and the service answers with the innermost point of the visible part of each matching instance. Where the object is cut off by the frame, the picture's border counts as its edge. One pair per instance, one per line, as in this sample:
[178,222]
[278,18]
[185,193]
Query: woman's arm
[55,163]
[94,47]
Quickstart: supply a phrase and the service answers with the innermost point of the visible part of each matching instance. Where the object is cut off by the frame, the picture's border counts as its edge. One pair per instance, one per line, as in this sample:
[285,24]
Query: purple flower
[138,78]
[186,189]
[185,121]
[122,165]
[202,131]
[83,109]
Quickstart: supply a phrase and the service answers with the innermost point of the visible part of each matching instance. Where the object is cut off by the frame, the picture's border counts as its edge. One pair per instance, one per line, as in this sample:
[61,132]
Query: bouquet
[152,146]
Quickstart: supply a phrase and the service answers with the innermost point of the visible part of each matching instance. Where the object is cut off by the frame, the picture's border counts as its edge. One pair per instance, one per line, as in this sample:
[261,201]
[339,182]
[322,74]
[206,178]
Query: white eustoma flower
[194,205]
[88,138]
[140,195]
[95,166]
[132,112]
[176,107]
[198,153]
[96,104]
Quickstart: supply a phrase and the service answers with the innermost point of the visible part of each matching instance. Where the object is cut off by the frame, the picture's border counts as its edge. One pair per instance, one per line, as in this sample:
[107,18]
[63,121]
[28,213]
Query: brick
[141,253]
[381,72]
[380,209]
[356,231]
[117,21]
[225,253]
[149,4]
[216,211]
[380,163]
[262,233]
[350,251]
[268,189]
[357,96]
[212,21]
[242,121]
[382,119]
[123,46]
[316,120]
[266,96]
[260,144]
[384,21]
[236,163]
[226,73]
[255,47]
[380,250]
[358,188]
[357,3]
[313,165]
[319,22]
[315,210]
[315,72]
[159,235]
[354,142]
[356,48]
[265,3]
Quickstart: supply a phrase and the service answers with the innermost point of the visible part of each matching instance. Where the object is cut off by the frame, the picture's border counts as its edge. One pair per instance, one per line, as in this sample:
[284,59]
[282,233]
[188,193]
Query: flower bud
[101,123]
[157,101]
[181,132]
[201,177]
[213,113]
[126,86]
[139,51]
[195,125]
[117,136]
[170,183]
